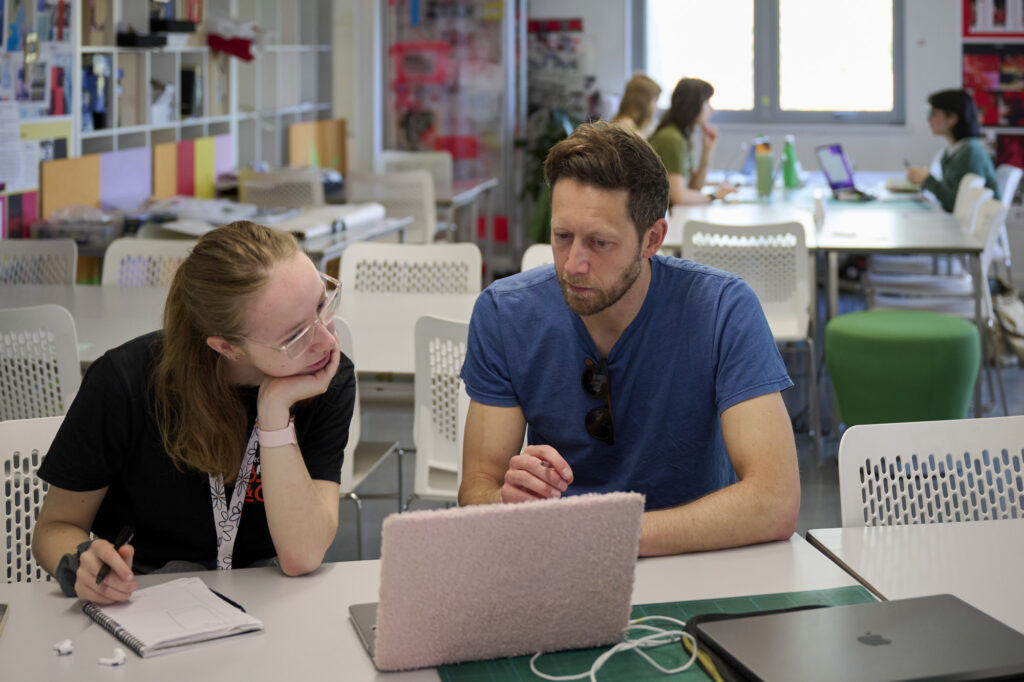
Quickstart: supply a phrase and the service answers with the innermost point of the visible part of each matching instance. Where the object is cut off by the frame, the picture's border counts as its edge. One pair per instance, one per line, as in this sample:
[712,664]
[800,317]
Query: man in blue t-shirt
[633,371]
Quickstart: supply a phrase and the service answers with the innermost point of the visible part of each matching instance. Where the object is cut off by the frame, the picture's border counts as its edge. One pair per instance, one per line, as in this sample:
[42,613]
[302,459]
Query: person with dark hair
[629,370]
[953,115]
[673,141]
[639,103]
[219,439]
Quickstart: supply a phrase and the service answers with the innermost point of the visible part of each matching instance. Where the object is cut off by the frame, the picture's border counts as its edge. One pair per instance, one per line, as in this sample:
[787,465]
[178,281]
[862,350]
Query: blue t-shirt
[699,345]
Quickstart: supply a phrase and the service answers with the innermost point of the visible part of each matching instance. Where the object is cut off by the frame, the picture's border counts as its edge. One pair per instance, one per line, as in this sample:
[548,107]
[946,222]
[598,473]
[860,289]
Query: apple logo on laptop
[873,639]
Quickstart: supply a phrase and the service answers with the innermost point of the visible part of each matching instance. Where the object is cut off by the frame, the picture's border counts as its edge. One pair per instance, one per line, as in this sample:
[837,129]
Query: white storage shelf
[288,81]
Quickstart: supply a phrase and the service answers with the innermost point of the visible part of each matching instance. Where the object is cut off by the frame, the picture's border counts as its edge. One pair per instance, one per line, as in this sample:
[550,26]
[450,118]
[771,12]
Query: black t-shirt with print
[109,438]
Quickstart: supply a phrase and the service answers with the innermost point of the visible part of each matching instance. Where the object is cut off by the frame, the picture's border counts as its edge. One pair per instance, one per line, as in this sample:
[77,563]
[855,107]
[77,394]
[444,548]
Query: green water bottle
[790,175]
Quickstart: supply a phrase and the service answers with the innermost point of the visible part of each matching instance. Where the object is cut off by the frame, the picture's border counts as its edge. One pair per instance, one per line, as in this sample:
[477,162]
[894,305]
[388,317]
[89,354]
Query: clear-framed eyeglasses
[299,342]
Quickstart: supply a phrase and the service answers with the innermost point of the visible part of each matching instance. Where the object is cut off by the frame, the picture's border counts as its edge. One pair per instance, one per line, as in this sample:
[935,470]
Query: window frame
[766,72]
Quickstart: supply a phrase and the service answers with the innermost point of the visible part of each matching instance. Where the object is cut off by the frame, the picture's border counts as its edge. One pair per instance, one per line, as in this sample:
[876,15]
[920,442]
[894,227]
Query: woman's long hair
[687,101]
[639,100]
[202,422]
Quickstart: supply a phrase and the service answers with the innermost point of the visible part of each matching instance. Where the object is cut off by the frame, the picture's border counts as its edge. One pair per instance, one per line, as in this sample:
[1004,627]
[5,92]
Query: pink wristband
[274,439]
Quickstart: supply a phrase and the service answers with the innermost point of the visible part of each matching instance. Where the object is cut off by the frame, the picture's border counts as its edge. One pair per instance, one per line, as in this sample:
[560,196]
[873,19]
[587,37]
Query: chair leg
[814,399]
[400,457]
[999,375]
[359,523]
[408,501]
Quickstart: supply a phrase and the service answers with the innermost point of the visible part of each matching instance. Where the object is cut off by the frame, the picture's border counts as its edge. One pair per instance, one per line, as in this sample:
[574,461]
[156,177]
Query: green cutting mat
[629,666]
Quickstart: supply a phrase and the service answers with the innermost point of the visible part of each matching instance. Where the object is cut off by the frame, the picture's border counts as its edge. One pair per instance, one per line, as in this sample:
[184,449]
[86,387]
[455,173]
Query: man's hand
[537,473]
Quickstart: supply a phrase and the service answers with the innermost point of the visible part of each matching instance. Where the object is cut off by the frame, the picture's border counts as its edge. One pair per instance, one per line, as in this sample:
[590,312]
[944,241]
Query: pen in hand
[123,538]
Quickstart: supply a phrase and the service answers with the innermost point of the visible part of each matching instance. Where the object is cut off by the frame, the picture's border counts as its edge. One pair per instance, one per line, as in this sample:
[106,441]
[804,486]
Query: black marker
[123,538]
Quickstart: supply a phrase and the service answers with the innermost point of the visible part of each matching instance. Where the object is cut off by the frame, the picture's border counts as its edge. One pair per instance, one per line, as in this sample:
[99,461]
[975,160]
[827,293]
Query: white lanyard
[225,518]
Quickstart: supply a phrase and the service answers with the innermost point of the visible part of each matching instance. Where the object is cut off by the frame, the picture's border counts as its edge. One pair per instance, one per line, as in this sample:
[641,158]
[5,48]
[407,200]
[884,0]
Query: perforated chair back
[439,164]
[130,262]
[1007,179]
[39,370]
[411,268]
[772,259]
[536,255]
[968,203]
[286,188]
[440,351]
[932,472]
[38,261]
[23,444]
[402,194]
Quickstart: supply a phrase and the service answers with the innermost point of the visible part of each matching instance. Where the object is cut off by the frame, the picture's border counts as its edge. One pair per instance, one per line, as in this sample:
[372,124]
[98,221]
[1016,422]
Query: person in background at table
[632,371]
[219,438]
[673,140]
[954,116]
[639,103]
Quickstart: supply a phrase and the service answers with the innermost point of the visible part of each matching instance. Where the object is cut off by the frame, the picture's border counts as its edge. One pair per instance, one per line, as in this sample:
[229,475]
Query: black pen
[123,538]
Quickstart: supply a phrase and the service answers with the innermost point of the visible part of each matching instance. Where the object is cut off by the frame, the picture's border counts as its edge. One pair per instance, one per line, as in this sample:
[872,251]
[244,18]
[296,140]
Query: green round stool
[901,365]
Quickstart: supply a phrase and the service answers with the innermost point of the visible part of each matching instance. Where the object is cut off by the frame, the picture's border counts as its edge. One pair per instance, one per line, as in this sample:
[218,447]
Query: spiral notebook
[171,616]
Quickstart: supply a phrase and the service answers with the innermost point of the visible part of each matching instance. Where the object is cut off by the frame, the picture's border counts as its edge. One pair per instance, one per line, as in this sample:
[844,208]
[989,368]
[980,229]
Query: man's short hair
[609,156]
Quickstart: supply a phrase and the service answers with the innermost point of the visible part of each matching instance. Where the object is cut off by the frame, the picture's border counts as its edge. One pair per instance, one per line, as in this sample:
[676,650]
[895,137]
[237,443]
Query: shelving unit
[289,79]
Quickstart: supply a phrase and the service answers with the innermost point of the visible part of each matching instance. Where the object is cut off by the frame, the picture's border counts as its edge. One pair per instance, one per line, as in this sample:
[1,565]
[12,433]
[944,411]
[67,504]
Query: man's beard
[596,300]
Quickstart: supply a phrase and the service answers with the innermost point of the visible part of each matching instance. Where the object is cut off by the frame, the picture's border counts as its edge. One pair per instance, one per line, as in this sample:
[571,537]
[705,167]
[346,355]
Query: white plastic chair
[439,164]
[131,262]
[24,444]
[361,458]
[536,255]
[949,294]
[402,194]
[39,370]
[440,351]
[411,268]
[38,261]
[773,260]
[1007,179]
[285,188]
[932,472]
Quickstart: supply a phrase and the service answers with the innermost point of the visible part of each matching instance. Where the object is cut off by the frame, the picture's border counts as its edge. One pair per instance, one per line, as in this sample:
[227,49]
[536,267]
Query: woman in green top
[690,108]
[954,116]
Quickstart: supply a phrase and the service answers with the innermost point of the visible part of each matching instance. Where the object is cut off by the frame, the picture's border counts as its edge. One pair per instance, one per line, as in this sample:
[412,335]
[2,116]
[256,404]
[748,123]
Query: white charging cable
[657,637]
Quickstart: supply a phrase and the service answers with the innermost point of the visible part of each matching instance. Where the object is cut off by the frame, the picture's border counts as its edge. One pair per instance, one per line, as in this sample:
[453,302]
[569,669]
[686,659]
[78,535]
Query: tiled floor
[819,479]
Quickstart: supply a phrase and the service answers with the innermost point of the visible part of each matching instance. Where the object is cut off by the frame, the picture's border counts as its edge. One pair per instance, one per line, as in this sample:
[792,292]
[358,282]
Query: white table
[307,633]
[978,561]
[383,325]
[105,317]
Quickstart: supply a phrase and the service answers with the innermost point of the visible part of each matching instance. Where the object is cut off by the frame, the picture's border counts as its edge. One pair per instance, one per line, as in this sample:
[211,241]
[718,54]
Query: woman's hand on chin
[278,394]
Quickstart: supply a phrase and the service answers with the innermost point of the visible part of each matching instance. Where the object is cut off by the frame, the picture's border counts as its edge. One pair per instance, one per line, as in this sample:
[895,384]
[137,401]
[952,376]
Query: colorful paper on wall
[190,167]
[70,181]
[318,143]
[126,178]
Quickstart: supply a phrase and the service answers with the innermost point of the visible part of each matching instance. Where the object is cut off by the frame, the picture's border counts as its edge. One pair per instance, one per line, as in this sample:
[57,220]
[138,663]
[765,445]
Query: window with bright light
[780,60]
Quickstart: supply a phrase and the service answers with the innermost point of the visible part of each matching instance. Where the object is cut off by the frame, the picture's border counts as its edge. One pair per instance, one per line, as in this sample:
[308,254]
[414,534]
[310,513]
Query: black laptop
[938,637]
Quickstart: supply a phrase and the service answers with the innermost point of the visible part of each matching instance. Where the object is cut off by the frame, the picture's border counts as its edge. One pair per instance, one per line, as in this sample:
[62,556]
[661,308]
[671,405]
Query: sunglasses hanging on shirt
[599,421]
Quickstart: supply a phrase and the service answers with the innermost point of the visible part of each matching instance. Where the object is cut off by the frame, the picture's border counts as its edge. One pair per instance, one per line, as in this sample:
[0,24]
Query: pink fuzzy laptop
[502,580]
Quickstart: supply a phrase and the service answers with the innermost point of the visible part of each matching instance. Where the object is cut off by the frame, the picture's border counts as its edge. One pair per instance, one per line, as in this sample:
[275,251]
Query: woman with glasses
[689,110]
[218,440]
[954,116]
